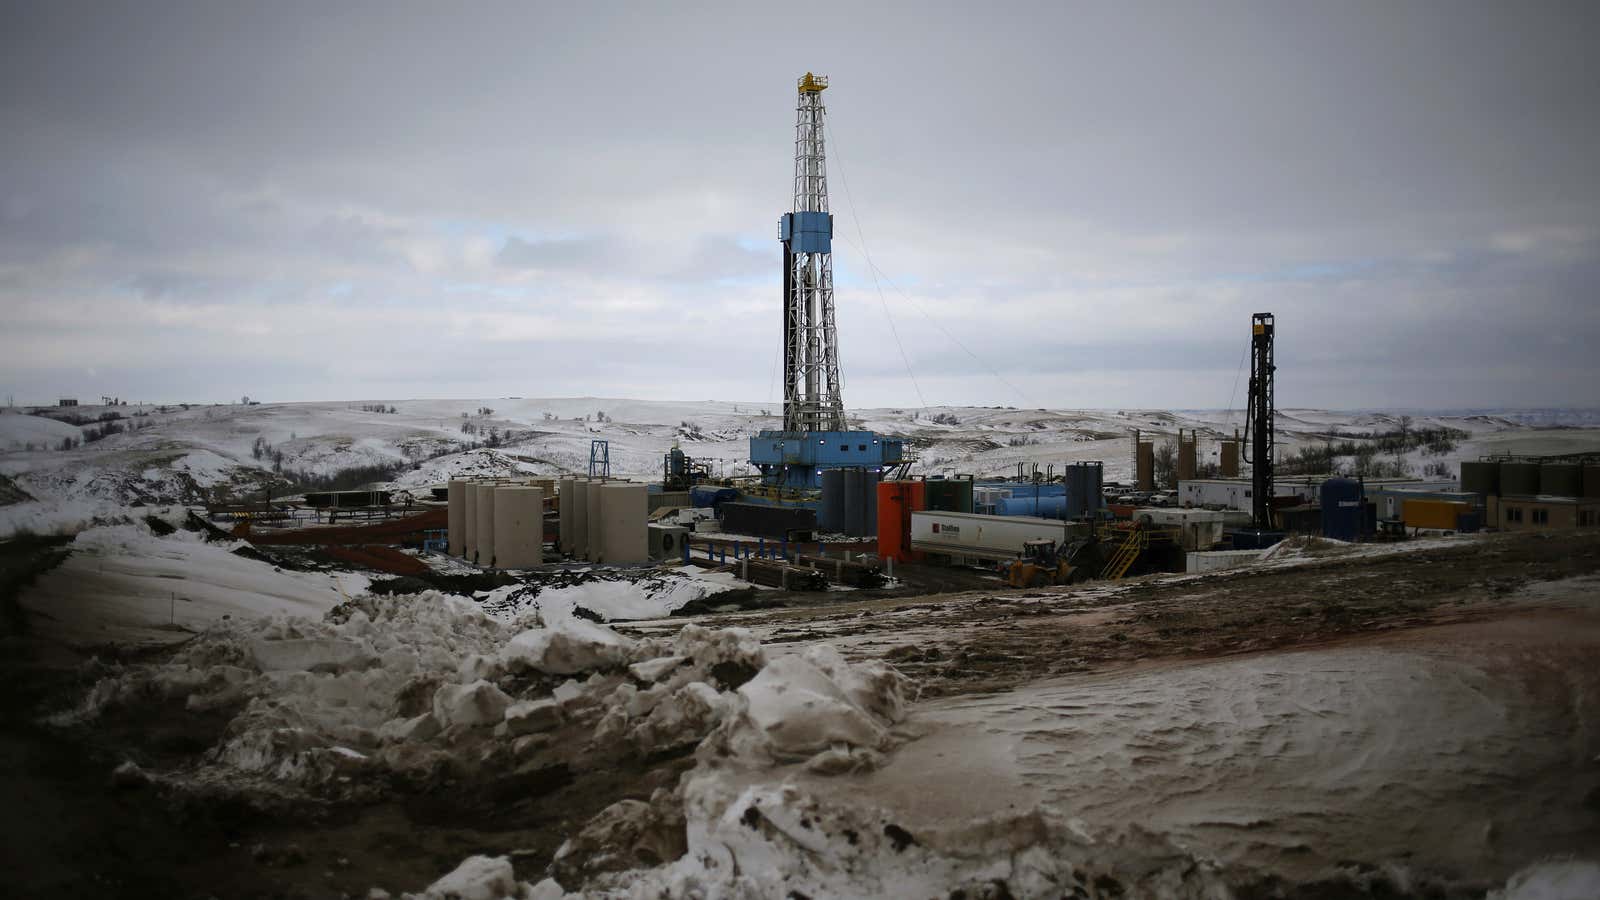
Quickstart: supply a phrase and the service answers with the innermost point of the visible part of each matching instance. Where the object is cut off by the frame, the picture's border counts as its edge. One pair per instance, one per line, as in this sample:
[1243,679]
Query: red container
[896,501]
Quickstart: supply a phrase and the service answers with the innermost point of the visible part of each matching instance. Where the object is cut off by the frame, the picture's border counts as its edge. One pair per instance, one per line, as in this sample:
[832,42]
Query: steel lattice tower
[811,398]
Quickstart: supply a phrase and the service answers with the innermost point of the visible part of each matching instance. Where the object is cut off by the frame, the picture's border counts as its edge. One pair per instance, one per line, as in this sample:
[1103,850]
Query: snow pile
[567,647]
[420,684]
[610,596]
[1555,880]
[775,840]
[487,878]
[817,709]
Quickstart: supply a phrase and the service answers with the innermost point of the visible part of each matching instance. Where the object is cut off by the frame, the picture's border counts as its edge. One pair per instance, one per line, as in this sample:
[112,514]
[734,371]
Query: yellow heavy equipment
[1043,563]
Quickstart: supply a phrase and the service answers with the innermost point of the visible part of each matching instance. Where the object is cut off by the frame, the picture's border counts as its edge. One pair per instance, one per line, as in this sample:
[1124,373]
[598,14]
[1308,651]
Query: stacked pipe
[778,574]
[852,573]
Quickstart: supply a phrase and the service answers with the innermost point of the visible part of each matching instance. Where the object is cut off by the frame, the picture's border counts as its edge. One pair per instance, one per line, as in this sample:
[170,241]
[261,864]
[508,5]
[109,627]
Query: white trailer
[968,537]
[1198,529]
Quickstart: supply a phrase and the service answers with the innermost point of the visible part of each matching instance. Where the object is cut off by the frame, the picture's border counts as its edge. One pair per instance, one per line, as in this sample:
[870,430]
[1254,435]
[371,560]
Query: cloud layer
[1066,205]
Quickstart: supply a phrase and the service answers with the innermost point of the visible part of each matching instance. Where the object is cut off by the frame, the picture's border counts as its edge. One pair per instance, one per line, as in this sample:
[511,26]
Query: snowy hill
[193,454]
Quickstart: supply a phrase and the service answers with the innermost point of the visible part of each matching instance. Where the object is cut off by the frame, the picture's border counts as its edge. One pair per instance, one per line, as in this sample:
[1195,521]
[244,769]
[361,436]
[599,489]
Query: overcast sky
[1073,205]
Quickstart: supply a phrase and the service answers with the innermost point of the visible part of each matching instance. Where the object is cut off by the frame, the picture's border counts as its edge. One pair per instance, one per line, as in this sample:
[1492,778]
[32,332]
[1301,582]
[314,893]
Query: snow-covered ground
[178,455]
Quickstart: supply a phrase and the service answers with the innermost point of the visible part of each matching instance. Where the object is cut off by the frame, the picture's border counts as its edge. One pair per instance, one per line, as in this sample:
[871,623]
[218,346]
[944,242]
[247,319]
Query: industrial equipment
[814,435]
[680,472]
[1043,562]
[1259,413]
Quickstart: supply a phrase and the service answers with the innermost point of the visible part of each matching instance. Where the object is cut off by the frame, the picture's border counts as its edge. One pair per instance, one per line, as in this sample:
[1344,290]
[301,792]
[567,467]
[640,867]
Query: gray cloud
[1090,198]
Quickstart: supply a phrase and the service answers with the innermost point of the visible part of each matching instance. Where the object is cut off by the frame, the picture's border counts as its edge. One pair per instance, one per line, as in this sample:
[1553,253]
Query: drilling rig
[815,435]
[1259,414]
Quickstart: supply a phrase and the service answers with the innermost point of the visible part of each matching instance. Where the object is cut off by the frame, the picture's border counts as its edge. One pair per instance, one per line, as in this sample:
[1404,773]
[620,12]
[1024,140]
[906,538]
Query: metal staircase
[1126,554]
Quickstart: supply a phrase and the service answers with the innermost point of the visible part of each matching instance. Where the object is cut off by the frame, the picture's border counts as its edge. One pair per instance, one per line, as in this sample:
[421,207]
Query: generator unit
[666,541]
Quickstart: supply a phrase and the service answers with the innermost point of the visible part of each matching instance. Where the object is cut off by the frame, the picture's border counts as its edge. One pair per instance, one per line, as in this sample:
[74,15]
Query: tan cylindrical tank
[1186,456]
[1228,465]
[546,486]
[580,518]
[455,533]
[593,523]
[518,527]
[564,510]
[626,539]
[1145,467]
[469,520]
[485,531]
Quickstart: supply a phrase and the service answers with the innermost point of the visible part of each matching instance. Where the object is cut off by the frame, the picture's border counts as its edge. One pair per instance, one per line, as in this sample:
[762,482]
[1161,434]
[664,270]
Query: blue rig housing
[795,459]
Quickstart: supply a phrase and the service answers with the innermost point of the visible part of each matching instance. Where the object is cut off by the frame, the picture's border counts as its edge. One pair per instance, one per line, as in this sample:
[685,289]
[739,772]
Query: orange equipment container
[1424,513]
[896,501]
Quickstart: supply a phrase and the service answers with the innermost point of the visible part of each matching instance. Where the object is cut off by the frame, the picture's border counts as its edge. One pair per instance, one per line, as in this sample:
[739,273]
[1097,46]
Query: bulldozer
[1043,563]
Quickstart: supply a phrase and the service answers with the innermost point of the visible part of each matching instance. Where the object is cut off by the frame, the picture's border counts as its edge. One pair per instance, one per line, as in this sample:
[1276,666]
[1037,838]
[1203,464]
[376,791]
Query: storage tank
[855,502]
[455,528]
[1228,463]
[830,512]
[626,536]
[1561,479]
[1481,478]
[1029,505]
[564,511]
[580,517]
[1342,514]
[1145,467]
[1085,482]
[1519,479]
[896,501]
[518,527]
[1187,452]
[485,514]
[869,515]
[1591,481]
[594,522]
[469,521]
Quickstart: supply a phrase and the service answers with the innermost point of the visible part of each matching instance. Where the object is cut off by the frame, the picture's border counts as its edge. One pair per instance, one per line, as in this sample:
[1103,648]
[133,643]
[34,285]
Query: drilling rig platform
[815,434]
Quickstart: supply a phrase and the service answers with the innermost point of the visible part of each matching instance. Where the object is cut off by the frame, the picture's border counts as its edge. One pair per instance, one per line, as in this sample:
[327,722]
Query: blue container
[706,495]
[1342,513]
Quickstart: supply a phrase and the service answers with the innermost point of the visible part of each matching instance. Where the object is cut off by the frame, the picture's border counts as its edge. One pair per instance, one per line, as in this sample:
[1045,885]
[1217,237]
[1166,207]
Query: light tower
[811,400]
[814,435]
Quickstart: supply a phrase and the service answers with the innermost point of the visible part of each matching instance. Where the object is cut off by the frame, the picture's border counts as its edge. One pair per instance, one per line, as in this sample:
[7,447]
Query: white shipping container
[981,537]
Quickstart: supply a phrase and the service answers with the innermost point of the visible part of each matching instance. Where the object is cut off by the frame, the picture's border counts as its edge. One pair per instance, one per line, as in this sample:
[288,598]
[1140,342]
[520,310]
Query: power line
[872,269]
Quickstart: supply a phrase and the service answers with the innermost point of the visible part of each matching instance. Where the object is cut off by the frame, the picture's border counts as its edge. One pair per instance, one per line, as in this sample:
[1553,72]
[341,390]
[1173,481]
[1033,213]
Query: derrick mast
[815,435]
[1259,414]
[811,399]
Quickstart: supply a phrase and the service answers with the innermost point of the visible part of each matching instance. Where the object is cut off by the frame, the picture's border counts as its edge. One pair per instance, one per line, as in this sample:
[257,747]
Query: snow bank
[611,596]
[1553,880]
[487,878]
[817,708]
[774,840]
[124,583]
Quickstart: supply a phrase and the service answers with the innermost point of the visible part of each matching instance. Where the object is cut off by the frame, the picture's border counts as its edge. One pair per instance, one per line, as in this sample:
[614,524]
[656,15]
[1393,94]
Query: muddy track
[986,641]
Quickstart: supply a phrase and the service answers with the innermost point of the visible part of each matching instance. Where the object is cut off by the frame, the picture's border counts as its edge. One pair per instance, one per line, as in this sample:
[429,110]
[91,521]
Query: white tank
[626,539]
[580,518]
[485,530]
[518,527]
[469,520]
[594,523]
[455,533]
[564,509]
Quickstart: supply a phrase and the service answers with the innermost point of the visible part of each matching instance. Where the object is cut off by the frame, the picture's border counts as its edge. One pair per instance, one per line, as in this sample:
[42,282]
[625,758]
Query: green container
[949,495]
